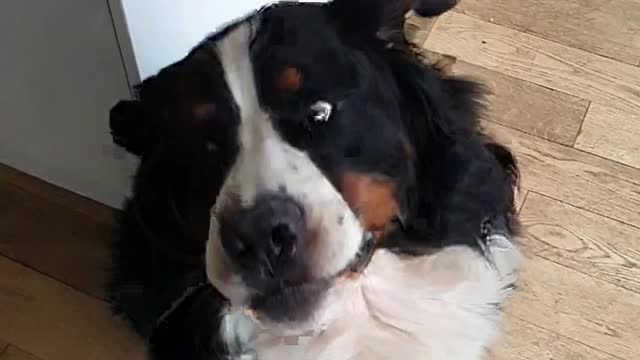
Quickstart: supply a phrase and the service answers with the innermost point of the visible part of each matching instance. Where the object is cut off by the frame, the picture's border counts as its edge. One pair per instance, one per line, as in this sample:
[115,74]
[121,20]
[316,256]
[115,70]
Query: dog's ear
[130,127]
[135,123]
[179,96]
[369,19]
[383,19]
[429,8]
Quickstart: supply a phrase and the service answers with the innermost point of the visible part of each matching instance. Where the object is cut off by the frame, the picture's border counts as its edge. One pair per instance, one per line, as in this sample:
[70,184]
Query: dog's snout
[265,240]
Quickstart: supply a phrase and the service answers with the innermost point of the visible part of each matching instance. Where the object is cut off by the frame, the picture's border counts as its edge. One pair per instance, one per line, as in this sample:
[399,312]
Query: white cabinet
[60,72]
[163,31]
[64,63]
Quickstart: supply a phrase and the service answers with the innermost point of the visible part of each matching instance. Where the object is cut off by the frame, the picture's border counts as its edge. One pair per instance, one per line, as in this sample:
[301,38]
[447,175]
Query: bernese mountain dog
[309,189]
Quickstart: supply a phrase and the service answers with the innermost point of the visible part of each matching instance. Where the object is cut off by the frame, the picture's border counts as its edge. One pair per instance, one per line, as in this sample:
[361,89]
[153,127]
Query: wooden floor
[565,77]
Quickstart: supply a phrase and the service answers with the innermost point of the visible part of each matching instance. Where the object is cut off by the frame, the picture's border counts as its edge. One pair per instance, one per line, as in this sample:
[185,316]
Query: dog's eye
[321,111]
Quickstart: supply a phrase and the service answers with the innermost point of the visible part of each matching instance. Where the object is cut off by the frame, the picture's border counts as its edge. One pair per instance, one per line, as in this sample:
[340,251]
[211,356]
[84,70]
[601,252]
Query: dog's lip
[359,263]
[289,292]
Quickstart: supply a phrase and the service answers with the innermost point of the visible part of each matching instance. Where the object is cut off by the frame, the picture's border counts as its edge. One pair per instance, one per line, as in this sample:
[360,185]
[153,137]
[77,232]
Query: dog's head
[324,137]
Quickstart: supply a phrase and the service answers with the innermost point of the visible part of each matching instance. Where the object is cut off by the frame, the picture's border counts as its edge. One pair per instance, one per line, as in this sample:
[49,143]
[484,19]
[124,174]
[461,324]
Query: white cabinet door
[163,31]
[60,72]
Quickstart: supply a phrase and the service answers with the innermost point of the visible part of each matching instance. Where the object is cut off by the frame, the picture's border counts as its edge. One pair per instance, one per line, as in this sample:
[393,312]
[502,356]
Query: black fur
[462,176]
[186,332]
[452,182]
[433,7]
[161,234]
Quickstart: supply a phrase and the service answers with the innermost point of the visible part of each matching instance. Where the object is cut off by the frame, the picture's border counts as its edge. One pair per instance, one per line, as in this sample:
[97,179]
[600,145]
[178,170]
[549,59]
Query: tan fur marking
[372,198]
[289,79]
[203,111]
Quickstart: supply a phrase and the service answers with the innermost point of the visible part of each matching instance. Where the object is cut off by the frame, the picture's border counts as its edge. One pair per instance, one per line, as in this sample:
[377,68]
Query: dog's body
[335,197]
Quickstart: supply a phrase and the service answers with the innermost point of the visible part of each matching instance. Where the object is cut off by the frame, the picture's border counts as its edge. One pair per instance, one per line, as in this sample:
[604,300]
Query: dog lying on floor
[309,189]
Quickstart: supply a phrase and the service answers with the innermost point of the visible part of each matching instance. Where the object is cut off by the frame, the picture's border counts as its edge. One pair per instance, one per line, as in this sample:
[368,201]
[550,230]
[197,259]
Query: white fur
[443,306]
[266,163]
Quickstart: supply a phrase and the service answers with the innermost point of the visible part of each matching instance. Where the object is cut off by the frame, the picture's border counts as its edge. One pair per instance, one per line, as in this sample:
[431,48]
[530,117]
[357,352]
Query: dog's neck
[441,306]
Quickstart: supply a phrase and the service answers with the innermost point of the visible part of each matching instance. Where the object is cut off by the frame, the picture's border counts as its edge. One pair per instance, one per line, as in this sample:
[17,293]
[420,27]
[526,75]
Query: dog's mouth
[294,302]
[287,303]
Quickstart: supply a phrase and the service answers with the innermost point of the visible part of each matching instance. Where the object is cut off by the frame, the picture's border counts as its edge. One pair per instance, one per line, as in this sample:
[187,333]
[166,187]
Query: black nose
[265,240]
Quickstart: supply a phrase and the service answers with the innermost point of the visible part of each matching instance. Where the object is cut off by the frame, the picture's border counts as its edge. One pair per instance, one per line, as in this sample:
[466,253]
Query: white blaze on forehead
[266,163]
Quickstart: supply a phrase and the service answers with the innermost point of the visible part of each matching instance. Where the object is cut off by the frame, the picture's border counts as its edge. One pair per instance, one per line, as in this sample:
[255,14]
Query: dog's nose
[264,241]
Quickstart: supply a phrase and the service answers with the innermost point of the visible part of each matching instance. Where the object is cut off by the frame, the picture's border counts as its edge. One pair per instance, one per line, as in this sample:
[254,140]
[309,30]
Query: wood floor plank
[611,133]
[55,240]
[537,60]
[3,346]
[605,27]
[583,241]
[581,179]
[525,106]
[523,341]
[56,322]
[13,353]
[579,307]
[66,198]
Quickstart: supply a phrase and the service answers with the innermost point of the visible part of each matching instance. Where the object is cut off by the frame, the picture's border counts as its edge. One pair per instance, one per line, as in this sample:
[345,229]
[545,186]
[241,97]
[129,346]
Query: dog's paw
[439,62]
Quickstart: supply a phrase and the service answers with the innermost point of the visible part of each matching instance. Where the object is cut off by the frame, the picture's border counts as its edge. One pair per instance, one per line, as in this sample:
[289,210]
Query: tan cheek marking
[289,79]
[373,199]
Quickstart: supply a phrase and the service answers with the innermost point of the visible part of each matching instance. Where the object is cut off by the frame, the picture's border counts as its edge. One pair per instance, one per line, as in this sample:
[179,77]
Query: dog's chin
[288,304]
[296,303]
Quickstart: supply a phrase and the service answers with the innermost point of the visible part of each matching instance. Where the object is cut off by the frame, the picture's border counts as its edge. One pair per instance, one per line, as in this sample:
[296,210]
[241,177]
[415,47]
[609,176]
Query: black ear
[369,19]
[429,8]
[130,127]
[178,93]
[383,19]
[136,123]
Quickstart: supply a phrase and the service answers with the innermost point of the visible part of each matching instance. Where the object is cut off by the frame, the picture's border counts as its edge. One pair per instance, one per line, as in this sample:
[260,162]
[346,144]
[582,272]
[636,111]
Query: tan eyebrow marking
[201,111]
[289,79]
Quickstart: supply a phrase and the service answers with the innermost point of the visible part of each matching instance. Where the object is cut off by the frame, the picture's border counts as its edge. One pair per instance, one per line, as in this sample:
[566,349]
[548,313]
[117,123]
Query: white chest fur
[441,306]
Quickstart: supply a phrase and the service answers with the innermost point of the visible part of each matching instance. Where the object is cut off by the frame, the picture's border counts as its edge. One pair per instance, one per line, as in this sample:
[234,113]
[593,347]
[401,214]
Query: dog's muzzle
[266,241]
